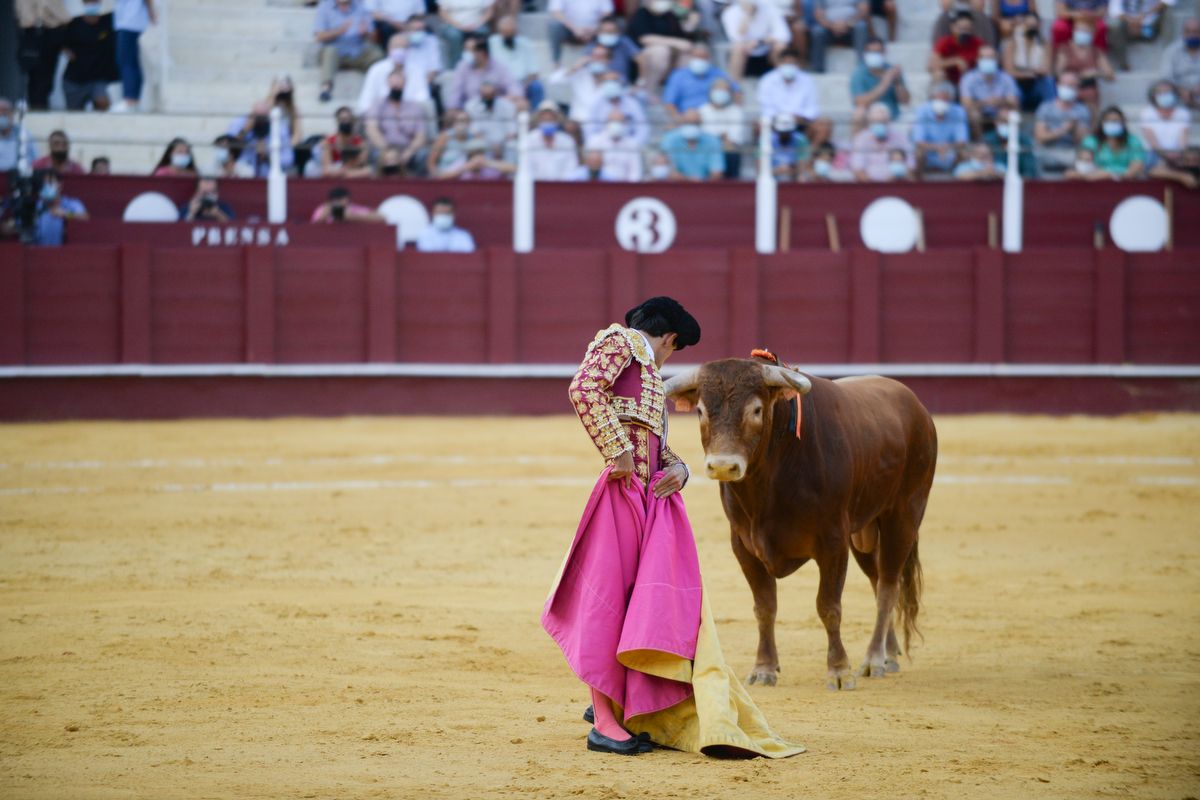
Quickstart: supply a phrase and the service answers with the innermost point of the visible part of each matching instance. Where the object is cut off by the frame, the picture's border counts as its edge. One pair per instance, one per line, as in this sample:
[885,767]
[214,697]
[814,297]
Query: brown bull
[856,479]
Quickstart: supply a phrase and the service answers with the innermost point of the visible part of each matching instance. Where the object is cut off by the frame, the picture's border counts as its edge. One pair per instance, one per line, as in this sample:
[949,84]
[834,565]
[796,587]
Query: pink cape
[630,582]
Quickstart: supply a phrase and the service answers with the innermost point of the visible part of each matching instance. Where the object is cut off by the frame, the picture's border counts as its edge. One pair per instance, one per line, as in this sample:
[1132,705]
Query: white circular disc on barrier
[889,225]
[1139,225]
[151,207]
[645,225]
[408,214]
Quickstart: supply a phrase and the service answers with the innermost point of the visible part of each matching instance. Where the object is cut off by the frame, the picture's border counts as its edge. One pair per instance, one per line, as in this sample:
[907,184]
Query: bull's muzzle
[725,468]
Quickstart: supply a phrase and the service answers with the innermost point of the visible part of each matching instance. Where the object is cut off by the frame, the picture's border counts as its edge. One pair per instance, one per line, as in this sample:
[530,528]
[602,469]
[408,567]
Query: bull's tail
[908,605]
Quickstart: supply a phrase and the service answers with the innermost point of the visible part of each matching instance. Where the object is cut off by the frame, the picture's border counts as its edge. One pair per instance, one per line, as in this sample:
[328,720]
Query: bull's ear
[783,377]
[683,389]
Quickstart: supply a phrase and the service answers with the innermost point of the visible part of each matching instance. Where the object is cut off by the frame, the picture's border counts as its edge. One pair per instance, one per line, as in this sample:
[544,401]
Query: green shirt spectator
[1116,160]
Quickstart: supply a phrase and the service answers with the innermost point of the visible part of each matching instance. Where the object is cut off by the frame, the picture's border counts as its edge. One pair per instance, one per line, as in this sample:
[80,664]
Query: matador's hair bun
[661,315]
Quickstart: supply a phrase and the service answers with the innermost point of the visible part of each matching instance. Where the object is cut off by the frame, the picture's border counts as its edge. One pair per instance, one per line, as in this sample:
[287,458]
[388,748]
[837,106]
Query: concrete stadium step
[247,53]
[236,21]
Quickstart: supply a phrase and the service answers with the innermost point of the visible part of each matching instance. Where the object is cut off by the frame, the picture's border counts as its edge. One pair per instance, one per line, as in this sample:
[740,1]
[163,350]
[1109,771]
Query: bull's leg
[866,561]
[895,541]
[762,586]
[832,565]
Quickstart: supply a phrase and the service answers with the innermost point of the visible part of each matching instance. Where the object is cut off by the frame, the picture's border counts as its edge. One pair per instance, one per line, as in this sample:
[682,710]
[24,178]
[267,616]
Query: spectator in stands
[978,165]
[476,165]
[838,22]
[283,94]
[592,168]
[940,130]
[476,69]
[789,149]
[981,23]
[586,77]
[389,16]
[1086,60]
[615,97]
[757,34]
[876,81]
[493,119]
[101,166]
[724,118]
[620,151]
[574,21]
[551,152]
[343,29]
[58,159]
[344,152]
[1026,58]
[656,29]
[516,53]
[624,55]
[660,167]
[1181,63]
[995,136]
[227,158]
[43,26]
[787,90]
[449,148]
[176,161]
[955,54]
[694,155]
[253,133]
[1134,21]
[375,84]
[397,123]
[986,92]
[1164,129]
[130,20]
[871,148]
[339,209]
[1061,124]
[887,10]
[459,20]
[442,235]
[1118,154]
[1083,168]
[10,140]
[688,86]
[827,166]
[423,57]
[89,44]
[1071,13]
[53,210]
[206,204]
[1009,15]
[391,163]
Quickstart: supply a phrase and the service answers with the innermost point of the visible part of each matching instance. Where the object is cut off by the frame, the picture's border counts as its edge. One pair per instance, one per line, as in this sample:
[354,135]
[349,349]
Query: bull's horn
[778,376]
[683,382]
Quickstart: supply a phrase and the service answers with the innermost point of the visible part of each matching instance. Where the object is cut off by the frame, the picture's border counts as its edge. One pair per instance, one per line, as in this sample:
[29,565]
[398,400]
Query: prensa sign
[239,235]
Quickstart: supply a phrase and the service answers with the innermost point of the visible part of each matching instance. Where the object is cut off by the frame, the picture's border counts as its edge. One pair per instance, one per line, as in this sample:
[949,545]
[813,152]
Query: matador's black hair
[660,315]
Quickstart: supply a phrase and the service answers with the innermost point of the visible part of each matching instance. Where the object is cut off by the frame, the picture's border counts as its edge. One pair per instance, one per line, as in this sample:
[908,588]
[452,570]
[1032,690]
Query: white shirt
[399,10]
[767,23]
[426,57]
[634,114]
[797,97]
[375,84]
[435,240]
[582,13]
[622,156]
[521,61]
[729,120]
[554,163]
[585,91]
[470,14]
[1171,133]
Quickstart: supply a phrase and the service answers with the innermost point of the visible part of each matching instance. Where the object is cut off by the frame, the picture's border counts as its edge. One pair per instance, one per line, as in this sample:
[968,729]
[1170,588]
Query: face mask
[1067,94]
[874,60]
[690,131]
[611,90]
[345,128]
[1002,131]
[1112,127]
[987,66]
[283,97]
[698,66]
[50,192]
[395,94]
[660,7]
[939,106]
[443,222]
[879,130]
[1192,42]
[338,212]
[721,97]
[1165,99]
[608,39]
[398,55]
[1082,38]
[415,38]
[1084,166]
[180,160]
[390,169]
[548,128]
[221,154]
[489,102]
[898,169]
[91,9]
[822,168]
[963,38]
[660,172]
[58,155]
[510,42]
[789,71]
[597,67]
[785,126]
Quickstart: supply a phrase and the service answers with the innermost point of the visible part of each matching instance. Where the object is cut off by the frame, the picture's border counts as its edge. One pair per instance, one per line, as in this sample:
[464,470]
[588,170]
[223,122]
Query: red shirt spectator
[59,160]
[956,54]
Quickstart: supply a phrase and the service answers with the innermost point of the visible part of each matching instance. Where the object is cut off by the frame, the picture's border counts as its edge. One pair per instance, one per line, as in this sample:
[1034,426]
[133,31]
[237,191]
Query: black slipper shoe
[589,716]
[600,743]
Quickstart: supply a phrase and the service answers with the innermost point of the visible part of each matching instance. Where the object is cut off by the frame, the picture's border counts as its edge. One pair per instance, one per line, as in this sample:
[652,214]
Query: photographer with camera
[206,205]
[338,209]
[37,211]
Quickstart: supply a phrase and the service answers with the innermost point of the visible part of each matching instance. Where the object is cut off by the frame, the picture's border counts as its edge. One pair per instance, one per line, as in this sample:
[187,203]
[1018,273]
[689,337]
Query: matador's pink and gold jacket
[618,395]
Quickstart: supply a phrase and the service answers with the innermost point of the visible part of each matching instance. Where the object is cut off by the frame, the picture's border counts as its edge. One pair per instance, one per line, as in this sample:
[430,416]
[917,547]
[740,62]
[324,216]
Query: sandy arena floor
[349,608]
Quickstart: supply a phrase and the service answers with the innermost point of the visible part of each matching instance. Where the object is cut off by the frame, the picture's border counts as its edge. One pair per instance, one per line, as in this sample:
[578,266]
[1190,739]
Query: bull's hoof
[869,670]
[891,665]
[764,676]
[841,680]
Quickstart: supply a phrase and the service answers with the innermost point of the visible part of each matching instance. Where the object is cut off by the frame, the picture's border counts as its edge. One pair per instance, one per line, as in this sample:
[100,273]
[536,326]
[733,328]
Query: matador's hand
[622,467]
[671,481]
